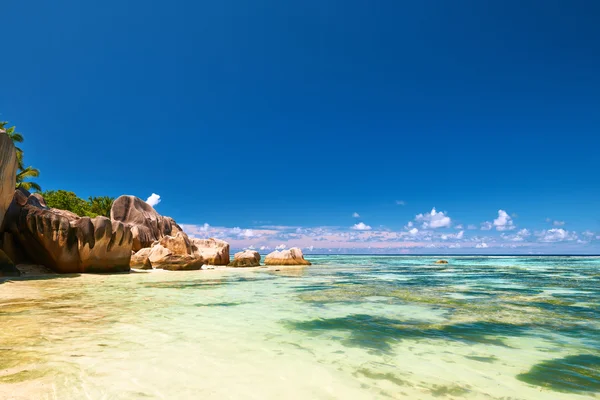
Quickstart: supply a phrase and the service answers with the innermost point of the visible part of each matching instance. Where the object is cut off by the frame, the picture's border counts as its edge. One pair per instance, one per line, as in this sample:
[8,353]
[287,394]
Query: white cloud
[205,227]
[504,222]
[361,227]
[558,223]
[264,248]
[458,227]
[434,219]
[356,215]
[410,224]
[481,245]
[400,202]
[460,235]
[486,226]
[251,247]
[518,237]
[556,235]
[413,231]
[248,233]
[280,247]
[471,226]
[153,200]
[310,248]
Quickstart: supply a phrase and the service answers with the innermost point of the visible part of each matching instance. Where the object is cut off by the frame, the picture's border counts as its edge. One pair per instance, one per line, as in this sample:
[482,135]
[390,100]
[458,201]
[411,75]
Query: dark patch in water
[379,333]
[448,390]
[202,283]
[223,304]
[490,360]
[388,376]
[310,288]
[580,373]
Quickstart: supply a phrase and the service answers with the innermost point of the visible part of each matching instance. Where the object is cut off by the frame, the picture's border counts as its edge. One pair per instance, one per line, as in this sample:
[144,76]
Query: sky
[337,126]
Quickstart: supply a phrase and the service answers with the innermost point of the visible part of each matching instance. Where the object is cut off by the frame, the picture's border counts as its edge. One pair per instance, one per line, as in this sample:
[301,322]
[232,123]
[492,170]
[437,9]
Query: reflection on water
[347,327]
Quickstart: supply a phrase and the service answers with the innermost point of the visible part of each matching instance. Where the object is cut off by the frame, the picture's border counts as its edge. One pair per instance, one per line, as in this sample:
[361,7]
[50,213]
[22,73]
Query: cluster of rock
[135,235]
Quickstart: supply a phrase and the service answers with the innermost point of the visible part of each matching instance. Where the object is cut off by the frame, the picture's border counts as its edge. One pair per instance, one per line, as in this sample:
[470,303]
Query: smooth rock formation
[175,258]
[158,252]
[176,262]
[212,251]
[178,244]
[147,226]
[7,267]
[8,173]
[64,242]
[441,262]
[247,258]
[140,260]
[291,256]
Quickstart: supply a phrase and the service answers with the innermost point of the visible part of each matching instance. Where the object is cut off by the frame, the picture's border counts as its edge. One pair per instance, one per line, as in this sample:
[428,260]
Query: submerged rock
[291,256]
[441,262]
[7,267]
[247,258]
[8,173]
[147,226]
[65,242]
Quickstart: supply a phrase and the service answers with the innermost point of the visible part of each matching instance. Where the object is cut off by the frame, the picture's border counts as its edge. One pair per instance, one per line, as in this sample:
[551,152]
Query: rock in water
[212,251]
[441,262]
[8,173]
[147,226]
[65,242]
[247,258]
[292,256]
[7,268]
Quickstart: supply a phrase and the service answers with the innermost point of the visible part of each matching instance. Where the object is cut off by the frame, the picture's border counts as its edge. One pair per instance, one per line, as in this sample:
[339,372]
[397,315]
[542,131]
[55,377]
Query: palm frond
[29,186]
[28,172]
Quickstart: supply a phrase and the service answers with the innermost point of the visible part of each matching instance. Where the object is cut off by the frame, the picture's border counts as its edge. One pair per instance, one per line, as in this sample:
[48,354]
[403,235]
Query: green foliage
[101,205]
[23,173]
[69,201]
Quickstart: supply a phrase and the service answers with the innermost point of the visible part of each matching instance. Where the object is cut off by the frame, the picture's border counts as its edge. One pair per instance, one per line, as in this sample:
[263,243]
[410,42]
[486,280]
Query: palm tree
[23,172]
[101,205]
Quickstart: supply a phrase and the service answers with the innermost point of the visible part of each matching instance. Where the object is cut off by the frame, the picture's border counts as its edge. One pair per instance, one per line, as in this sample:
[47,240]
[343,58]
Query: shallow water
[351,327]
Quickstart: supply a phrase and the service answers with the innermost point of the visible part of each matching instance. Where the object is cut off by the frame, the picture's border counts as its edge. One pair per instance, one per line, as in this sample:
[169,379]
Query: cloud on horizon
[433,234]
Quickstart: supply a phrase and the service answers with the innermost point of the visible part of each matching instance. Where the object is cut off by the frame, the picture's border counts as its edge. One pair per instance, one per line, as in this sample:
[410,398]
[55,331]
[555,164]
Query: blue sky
[274,122]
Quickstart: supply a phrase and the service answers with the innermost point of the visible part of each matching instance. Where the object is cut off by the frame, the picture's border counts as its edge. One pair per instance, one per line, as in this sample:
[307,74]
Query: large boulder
[140,260]
[147,226]
[178,244]
[212,251]
[161,257]
[247,258]
[65,242]
[291,256]
[8,173]
[7,267]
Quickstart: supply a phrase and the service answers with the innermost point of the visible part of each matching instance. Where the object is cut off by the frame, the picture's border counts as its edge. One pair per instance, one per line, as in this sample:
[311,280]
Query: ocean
[348,327]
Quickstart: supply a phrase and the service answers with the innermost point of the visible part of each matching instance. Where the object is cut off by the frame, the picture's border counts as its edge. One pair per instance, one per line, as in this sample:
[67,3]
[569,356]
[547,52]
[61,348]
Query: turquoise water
[359,327]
